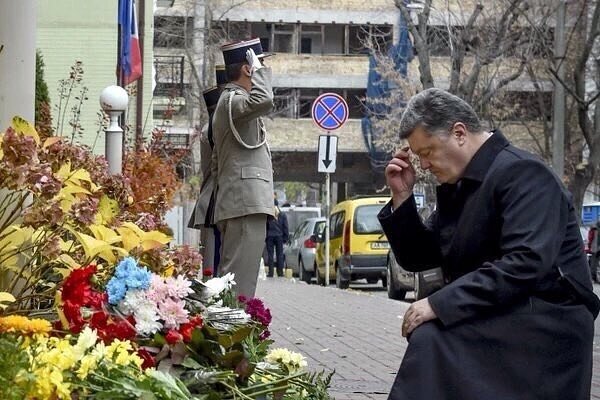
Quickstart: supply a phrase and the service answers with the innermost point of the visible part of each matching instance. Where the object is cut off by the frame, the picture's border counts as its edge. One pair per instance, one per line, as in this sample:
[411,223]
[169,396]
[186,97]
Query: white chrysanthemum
[294,362]
[229,280]
[146,319]
[134,299]
[144,310]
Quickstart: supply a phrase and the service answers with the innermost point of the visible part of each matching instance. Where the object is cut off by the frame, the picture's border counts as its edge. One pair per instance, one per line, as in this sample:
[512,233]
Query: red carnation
[76,287]
[207,272]
[173,336]
[148,360]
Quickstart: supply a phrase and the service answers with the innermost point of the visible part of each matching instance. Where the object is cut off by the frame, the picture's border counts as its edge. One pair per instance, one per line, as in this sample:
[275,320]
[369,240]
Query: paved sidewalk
[353,332]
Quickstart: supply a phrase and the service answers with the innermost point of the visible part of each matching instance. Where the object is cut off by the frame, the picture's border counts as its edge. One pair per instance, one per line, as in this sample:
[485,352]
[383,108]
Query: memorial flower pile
[93,304]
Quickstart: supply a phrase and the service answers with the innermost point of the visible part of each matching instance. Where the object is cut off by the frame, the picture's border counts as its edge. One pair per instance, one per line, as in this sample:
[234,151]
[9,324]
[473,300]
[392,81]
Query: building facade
[72,31]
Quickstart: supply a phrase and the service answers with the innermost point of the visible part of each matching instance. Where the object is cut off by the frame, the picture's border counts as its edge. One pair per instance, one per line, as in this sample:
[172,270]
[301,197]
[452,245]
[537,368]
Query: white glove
[253,60]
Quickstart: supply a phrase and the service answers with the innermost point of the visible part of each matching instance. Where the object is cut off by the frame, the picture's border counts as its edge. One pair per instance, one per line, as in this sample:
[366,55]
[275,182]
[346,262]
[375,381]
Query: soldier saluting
[242,163]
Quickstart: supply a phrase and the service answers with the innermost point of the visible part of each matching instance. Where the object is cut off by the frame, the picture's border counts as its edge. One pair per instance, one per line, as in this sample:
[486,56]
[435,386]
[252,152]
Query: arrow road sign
[330,111]
[327,153]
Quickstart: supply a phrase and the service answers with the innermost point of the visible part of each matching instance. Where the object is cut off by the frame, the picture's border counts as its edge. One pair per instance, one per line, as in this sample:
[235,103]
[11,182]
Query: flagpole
[120,76]
[139,104]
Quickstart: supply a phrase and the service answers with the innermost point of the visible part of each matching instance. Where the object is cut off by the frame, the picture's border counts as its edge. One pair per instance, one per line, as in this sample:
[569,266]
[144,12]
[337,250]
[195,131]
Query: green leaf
[190,363]
[241,333]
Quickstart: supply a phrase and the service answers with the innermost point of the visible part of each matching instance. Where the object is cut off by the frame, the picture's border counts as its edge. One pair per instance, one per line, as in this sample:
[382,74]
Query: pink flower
[172,312]
[158,290]
[179,287]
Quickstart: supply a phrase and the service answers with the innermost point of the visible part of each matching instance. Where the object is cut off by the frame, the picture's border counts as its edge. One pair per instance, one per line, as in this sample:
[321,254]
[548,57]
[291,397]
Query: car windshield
[365,219]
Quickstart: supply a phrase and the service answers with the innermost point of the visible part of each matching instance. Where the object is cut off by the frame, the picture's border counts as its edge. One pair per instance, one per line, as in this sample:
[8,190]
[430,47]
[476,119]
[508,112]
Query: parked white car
[300,251]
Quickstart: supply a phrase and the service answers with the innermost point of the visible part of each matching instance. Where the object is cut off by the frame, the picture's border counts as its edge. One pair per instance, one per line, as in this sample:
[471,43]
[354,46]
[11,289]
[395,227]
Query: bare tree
[583,90]
[482,54]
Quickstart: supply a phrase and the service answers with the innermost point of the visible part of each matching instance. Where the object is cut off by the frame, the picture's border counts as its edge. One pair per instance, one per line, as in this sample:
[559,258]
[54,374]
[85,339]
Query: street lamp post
[113,101]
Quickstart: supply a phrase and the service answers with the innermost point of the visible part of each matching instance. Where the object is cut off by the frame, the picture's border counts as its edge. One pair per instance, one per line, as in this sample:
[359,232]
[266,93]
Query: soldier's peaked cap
[221,75]
[234,53]
[211,96]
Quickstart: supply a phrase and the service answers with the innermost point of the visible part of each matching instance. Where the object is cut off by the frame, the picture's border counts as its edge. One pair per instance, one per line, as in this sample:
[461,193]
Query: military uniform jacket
[241,157]
[515,319]
[201,216]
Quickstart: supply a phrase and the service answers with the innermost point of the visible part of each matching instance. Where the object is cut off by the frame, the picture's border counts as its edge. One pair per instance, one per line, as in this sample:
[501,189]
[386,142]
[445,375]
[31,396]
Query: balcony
[302,135]
[169,76]
[177,138]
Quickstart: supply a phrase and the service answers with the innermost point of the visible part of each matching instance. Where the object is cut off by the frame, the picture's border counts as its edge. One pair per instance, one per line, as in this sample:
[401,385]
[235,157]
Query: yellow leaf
[21,125]
[61,315]
[15,237]
[81,175]
[68,260]
[6,297]
[154,239]
[71,188]
[108,209]
[51,140]
[103,233]
[129,238]
[64,171]
[91,246]
[130,225]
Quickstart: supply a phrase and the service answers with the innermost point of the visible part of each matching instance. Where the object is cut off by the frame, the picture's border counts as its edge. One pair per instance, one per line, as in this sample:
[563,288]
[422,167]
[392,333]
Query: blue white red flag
[130,60]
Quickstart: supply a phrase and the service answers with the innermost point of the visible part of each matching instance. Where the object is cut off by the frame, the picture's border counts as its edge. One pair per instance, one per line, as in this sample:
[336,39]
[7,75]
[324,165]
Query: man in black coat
[515,319]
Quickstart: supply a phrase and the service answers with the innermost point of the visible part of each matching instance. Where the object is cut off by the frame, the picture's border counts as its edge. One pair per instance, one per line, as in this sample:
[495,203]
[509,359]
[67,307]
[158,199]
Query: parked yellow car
[358,247]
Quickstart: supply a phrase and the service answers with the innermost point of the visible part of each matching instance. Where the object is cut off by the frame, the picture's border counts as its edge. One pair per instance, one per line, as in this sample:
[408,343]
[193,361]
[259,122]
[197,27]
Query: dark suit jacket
[504,232]
[514,317]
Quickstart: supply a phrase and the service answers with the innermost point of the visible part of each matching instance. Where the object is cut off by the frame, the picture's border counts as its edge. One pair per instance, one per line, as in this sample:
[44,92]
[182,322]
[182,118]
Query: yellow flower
[24,325]
[88,362]
[123,350]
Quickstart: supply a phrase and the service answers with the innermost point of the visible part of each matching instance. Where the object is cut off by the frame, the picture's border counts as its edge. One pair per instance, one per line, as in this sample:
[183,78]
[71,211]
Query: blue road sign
[330,111]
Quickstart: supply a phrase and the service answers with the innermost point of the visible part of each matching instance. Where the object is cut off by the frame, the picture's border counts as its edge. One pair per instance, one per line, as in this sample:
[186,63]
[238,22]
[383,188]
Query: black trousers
[275,245]
[533,351]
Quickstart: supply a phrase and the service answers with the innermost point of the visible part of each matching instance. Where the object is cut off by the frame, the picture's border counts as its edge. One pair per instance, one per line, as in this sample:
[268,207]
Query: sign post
[329,112]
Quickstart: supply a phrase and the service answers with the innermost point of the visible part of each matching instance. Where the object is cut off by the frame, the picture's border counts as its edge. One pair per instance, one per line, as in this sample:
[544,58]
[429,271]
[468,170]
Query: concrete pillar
[17,60]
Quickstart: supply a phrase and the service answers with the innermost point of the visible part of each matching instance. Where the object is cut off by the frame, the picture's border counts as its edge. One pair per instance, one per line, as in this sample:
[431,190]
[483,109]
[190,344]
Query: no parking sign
[330,111]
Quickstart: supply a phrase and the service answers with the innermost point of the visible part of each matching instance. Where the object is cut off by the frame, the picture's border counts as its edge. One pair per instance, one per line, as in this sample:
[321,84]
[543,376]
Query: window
[284,103]
[319,227]
[356,103]
[336,226]
[171,32]
[311,39]
[299,231]
[365,219]
[305,99]
[283,38]
[261,30]
[306,45]
[334,39]
[359,36]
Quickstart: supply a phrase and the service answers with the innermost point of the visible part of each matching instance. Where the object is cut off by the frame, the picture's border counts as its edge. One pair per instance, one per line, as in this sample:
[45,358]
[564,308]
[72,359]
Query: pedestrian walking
[242,163]
[277,234]
[203,214]
[515,319]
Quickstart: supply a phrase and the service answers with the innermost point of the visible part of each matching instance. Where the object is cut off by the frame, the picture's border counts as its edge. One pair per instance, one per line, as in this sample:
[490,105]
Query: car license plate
[380,245]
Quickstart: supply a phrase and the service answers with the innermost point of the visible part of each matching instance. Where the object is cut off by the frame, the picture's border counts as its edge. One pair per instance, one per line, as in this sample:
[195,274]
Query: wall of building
[86,31]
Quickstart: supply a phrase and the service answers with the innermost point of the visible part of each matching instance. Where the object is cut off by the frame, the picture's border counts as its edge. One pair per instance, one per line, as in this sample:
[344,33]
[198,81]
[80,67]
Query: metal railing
[169,76]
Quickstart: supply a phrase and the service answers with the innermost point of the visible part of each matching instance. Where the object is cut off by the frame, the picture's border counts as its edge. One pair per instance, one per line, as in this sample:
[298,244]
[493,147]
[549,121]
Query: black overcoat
[515,318]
